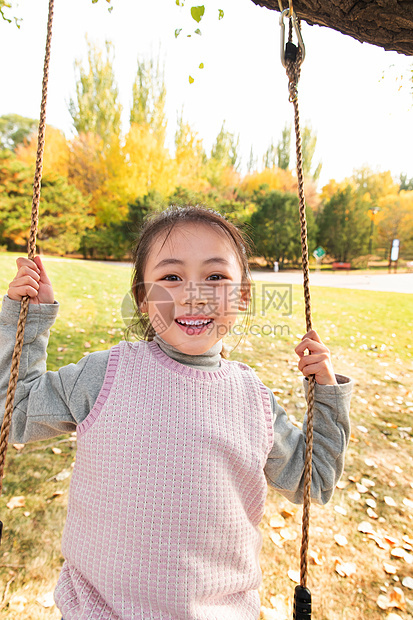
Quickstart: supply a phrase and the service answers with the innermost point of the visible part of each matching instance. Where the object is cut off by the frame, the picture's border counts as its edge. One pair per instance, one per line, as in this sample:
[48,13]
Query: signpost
[319,254]
[394,254]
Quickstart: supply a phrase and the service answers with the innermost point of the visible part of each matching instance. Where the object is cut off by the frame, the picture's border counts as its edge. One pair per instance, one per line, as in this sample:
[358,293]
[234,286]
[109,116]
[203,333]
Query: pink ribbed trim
[268,416]
[104,391]
[195,373]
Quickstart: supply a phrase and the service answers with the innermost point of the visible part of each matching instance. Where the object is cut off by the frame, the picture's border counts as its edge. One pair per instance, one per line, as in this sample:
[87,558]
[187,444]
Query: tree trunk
[386,23]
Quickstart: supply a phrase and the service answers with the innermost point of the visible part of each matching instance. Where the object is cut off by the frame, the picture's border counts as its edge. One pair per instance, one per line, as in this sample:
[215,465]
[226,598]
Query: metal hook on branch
[289,51]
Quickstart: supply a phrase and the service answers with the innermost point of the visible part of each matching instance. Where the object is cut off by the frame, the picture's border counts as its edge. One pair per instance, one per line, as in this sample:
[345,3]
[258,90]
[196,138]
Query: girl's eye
[217,276]
[169,278]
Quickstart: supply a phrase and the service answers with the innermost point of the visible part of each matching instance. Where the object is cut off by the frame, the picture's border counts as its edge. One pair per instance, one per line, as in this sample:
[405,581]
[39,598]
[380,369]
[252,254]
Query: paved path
[385,282]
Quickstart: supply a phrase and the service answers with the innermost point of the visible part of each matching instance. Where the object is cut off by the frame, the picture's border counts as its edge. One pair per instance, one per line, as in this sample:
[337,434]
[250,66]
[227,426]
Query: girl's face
[193,287]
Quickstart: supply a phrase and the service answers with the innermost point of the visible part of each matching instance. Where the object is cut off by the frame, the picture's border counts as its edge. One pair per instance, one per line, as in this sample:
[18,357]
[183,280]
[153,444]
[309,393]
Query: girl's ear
[143,306]
[245,297]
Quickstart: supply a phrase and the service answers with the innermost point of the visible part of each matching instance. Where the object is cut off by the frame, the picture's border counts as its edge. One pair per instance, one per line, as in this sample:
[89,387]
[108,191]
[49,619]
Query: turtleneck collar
[210,360]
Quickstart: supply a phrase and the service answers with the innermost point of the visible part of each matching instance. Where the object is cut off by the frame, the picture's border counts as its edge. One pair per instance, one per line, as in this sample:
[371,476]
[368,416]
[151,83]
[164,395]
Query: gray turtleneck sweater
[51,403]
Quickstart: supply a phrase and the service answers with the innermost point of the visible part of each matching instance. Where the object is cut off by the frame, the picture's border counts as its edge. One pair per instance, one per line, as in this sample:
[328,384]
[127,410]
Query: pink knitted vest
[167,493]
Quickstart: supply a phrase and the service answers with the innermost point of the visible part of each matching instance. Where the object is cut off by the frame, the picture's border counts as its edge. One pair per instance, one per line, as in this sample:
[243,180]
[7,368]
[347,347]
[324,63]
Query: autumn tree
[149,166]
[275,226]
[190,157]
[395,221]
[284,148]
[344,224]
[148,98]
[64,211]
[252,162]
[308,146]
[55,156]
[371,186]
[405,183]
[15,129]
[97,109]
[270,158]
[224,160]
[273,178]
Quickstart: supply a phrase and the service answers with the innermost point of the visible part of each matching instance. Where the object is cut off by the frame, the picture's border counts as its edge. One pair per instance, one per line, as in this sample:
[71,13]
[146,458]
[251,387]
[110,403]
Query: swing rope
[292,58]
[31,250]
[302,603]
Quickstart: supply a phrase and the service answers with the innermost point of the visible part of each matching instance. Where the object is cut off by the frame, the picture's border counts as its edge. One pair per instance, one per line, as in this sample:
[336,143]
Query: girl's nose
[194,295]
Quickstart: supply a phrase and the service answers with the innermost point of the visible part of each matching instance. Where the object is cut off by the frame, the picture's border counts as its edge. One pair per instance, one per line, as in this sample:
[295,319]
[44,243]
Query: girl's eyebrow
[176,261]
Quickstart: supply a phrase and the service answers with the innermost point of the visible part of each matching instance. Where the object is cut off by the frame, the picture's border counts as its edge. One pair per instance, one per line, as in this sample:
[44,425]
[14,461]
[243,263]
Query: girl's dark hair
[155,225]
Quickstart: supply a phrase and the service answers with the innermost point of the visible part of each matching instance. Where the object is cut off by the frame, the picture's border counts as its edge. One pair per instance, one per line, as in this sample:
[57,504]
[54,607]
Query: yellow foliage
[56,152]
[98,171]
[283,181]
[189,157]
[395,218]
[275,178]
[148,163]
[333,187]
[230,178]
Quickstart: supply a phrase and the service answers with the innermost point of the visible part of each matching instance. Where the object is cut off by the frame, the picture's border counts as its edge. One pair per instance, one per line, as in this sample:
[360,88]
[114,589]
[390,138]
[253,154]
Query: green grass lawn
[371,339]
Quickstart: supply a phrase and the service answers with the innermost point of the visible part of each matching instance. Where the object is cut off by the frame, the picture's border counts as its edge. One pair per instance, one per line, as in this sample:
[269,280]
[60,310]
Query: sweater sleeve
[46,404]
[284,469]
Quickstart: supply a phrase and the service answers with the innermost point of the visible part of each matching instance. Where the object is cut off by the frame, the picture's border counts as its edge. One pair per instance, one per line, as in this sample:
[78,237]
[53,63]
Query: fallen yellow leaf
[16,502]
[389,568]
[379,541]
[277,521]
[315,557]
[383,601]
[340,540]
[288,534]
[269,614]
[345,569]
[294,575]
[341,484]
[276,539]
[365,527]
[398,552]
[289,512]
[17,603]
[397,599]
[46,600]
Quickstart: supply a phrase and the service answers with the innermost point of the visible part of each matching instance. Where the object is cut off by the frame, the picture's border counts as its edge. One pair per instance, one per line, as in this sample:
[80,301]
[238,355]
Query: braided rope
[293,69]
[31,249]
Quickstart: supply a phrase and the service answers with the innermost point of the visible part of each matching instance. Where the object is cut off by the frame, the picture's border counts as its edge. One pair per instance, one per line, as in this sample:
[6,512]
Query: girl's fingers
[312,345]
[18,292]
[28,272]
[28,280]
[43,275]
[26,262]
[308,360]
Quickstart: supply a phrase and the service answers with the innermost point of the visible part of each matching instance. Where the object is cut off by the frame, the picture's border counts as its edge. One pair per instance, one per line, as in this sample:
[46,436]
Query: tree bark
[386,23]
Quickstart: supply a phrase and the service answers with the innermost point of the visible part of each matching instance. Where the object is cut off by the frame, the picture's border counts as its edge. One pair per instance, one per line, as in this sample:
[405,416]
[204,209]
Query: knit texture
[163,514]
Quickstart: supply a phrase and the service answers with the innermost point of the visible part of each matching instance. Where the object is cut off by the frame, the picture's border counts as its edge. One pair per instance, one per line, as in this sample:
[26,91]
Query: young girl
[176,444]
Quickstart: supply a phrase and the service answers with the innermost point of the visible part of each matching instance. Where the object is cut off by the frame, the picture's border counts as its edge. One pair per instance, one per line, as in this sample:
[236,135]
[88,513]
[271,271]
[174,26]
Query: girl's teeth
[196,323]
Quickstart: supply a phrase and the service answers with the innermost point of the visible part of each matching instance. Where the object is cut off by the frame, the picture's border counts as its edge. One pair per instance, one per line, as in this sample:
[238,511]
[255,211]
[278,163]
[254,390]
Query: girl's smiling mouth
[194,325]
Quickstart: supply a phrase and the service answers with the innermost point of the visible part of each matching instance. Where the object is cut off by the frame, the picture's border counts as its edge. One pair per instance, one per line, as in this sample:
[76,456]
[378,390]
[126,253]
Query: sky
[356,97]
